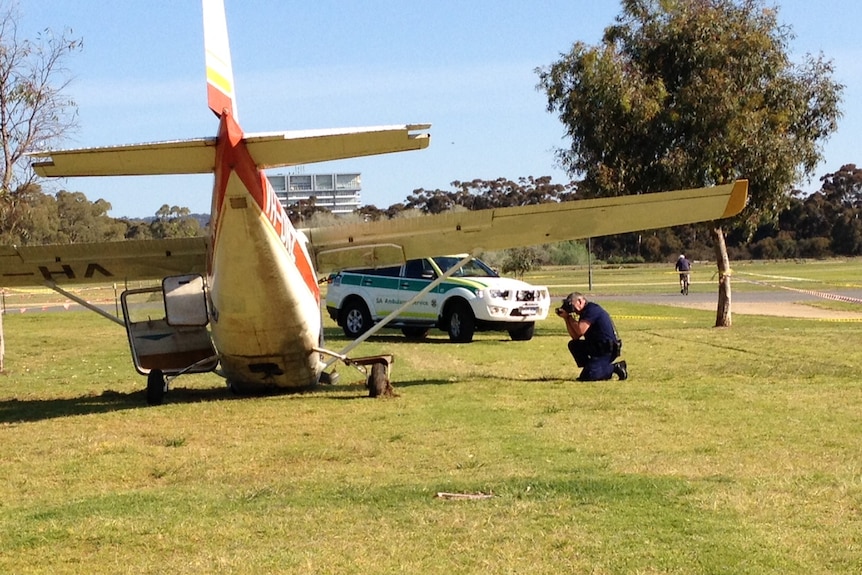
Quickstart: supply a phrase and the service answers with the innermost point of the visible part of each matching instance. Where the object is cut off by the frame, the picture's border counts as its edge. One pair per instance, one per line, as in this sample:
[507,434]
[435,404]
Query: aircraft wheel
[155,387]
[523,332]
[378,381]
[462,322]
[237,388]
[356,319]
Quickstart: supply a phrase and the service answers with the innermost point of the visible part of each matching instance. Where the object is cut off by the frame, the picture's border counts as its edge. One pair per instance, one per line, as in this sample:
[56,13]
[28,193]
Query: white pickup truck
[473,299]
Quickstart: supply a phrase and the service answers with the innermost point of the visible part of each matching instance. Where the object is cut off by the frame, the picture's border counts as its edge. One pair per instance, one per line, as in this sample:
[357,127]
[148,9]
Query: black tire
[415,332]
[378,381]
[523,332]
[355,318]
[461,322]
[155,387]
[237,389]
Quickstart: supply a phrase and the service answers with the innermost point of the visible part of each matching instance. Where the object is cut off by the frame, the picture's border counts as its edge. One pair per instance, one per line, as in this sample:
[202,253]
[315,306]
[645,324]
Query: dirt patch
[781,309]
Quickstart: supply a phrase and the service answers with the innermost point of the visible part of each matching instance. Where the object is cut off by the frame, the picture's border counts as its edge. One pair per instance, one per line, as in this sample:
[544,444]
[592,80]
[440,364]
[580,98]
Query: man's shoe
[621,369]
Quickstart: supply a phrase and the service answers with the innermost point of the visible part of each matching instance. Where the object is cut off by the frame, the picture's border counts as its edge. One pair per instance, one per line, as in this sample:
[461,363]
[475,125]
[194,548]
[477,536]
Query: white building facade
[339,193]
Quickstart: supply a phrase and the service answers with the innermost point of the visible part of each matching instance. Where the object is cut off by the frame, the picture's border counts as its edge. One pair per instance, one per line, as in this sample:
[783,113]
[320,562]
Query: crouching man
[595,344]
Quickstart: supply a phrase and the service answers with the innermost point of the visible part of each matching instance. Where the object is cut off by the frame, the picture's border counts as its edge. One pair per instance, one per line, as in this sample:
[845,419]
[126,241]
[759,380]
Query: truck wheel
[415,332]
[523,332]
[462,322]
[355,318]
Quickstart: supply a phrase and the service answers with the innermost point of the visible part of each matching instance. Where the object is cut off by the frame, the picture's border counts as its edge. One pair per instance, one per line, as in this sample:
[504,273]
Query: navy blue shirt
[601,327]
[683,265]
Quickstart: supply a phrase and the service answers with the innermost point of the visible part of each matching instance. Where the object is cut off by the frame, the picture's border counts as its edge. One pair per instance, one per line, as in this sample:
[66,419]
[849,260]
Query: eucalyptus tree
[33,110]
[690,93]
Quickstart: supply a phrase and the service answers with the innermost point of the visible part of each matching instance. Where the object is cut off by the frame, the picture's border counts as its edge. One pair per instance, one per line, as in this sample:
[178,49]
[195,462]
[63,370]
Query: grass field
[726,451]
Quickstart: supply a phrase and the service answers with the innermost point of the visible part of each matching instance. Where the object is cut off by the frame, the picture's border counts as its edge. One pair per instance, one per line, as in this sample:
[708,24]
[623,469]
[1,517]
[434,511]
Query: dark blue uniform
[596,352]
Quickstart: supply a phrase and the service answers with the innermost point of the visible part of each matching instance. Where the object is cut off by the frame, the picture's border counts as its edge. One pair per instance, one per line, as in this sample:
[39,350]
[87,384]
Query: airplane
[244,301]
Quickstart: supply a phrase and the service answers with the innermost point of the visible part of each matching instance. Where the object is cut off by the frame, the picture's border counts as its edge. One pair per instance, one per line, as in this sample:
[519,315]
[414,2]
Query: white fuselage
[265,304]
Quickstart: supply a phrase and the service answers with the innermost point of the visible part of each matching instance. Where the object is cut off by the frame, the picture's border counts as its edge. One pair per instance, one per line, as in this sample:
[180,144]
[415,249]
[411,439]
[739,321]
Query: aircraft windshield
[474,268]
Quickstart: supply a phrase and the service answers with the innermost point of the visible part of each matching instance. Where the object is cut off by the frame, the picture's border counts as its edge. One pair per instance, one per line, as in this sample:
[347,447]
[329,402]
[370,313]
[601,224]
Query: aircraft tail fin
[220,87]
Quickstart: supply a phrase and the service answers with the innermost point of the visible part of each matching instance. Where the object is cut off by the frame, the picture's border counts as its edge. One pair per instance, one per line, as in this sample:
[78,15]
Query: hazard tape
[820,294]
[651,317]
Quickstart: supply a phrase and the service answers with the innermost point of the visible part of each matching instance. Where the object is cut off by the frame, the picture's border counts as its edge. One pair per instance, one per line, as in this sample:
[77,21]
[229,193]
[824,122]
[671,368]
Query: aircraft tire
[378,381]
[461,322]
[155,387]
[237,388]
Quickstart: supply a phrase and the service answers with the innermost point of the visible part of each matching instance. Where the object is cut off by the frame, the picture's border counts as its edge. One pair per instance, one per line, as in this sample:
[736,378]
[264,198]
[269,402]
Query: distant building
[339,193]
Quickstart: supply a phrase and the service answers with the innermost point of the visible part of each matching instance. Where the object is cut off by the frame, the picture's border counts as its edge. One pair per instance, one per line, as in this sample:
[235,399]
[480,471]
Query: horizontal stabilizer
[101,262]
[197,156]
[390,241]
[309,146]
[157,158]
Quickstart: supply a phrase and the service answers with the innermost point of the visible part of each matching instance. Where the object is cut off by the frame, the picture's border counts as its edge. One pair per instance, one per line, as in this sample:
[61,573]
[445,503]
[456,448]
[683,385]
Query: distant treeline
[823,224]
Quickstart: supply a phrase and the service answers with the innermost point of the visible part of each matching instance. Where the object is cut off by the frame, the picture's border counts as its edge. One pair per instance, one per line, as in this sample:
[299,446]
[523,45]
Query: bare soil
[777,308]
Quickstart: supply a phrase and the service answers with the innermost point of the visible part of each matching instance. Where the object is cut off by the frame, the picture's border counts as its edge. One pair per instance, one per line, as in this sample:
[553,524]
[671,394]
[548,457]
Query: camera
[566,306]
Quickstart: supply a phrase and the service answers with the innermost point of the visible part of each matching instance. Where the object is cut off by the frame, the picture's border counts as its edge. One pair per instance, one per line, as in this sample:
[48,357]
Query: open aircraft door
[167,330]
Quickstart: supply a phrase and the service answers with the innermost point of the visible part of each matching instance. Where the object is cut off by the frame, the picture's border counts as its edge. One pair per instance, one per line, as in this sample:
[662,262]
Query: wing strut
[84,303]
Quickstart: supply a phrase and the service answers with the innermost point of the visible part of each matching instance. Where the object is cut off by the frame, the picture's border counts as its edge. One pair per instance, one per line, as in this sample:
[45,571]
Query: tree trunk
[2,336]
[723,312]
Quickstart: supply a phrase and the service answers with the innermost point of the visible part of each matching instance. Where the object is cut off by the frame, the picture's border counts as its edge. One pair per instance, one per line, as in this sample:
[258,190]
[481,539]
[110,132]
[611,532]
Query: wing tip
[737,200]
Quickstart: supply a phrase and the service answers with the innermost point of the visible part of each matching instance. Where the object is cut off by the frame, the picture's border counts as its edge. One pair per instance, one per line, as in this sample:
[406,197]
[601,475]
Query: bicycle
[683,283]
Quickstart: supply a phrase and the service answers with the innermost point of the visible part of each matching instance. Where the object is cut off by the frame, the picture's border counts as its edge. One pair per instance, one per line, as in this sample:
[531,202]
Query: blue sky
[466,67]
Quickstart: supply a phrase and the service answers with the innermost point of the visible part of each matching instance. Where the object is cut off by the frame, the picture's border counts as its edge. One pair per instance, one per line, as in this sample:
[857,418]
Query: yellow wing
[101,262]
[392,241]
[156,158]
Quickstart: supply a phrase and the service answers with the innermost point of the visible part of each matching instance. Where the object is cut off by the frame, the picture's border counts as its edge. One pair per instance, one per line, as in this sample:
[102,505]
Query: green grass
[727,451]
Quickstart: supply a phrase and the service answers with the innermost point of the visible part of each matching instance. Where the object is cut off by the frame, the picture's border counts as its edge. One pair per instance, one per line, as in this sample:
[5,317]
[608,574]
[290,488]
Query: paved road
[753,297]
[778,302]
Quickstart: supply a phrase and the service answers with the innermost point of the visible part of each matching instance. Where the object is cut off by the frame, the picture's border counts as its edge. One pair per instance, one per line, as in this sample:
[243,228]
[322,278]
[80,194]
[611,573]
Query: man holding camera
[595,343]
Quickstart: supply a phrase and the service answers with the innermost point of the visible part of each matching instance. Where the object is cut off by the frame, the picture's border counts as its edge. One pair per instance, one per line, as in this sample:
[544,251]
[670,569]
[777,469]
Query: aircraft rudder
[219,70]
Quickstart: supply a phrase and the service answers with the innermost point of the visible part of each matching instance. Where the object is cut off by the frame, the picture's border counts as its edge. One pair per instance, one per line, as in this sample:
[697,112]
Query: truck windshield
[474,268]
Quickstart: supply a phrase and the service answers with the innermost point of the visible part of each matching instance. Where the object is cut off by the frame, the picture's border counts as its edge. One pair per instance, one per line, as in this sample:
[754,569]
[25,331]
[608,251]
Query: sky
[466,67]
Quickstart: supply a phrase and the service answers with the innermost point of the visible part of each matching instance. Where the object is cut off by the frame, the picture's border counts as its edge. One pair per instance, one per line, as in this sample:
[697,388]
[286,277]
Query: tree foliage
[304,210]
[174,222]
[485,194]
[34,112]
[519,261]
[690,93]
